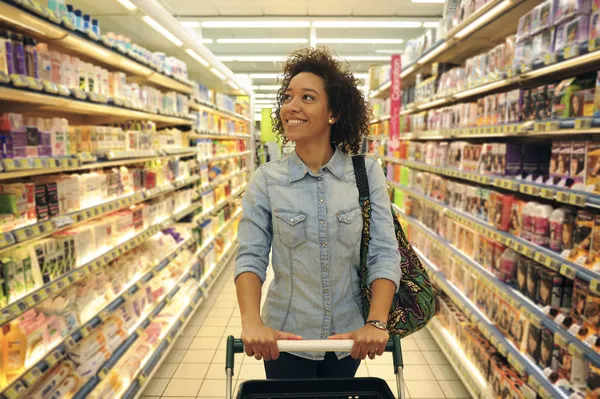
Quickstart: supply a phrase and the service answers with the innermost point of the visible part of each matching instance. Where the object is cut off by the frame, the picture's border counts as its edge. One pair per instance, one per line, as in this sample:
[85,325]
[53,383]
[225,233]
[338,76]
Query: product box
[594,27]
[560,159]
[566,9]
[525,25]
[562,97]
[547,351]
[592,175]
[550,290]
[593,261]
[534,341]
[516,218]
[582,237]
[543,45]
[513,106]
[592,312]
[572,32]
[577,164]
[533,281]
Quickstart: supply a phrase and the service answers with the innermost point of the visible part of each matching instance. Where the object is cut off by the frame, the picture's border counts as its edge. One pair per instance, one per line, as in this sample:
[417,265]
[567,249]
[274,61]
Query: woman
[305,209]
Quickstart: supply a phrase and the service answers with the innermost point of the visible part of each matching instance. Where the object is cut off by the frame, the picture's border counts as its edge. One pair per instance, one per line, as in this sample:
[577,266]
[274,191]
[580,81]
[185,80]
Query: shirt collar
[298,169]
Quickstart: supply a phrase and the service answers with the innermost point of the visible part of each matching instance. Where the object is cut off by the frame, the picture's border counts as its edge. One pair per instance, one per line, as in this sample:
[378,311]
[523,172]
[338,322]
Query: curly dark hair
[345,98]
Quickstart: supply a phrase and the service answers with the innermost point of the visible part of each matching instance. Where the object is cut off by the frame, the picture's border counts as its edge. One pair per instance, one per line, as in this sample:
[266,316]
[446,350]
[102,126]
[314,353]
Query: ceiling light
[364,58]
[361,75]
[233,85]
[484,19]
[127,4]
[197,57]
[431,24]
[396,51]
[343,40]
[218,73]
[265,76]
[160,29]
[252,58]
[265,101]
[190,24]
[262,41]
[242,76]
[429,1]
[268,95]
[367,24]
[206,41]
[255,24]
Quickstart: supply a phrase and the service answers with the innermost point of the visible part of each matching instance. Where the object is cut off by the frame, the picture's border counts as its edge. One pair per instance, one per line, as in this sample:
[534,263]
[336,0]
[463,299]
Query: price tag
[516,364]
[535,320]
[575,351]
[568,271]
[547,193]
[541,258]
[15,390]
[543,392]
[54,358]
[595,286]
[560,340]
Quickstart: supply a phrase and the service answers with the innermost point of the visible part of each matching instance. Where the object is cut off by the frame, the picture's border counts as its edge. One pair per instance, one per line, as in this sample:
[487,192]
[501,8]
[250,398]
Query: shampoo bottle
[6,56]
[31,58]
[14,351]
[45,62]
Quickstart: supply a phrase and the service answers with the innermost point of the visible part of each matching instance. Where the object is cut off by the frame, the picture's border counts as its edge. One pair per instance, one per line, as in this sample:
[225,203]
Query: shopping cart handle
[237,346]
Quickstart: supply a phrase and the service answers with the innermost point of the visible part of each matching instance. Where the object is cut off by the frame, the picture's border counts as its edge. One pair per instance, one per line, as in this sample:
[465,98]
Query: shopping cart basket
[363,388]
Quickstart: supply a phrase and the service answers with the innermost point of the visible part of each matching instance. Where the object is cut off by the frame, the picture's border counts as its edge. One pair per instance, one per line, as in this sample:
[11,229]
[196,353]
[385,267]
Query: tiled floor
[195,368]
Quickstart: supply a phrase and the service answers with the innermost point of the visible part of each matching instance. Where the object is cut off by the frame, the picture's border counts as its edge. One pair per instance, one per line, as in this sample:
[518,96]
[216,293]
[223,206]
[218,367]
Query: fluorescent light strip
[367,24]
[267,95]
[197,57]
[206,41]
[189,24]
[265,76]
[218,73]
[160,29]
[252,58]
[363,58]
[233,85]
[267,87]
[429,1]
[361,75]
[484,19]
[431,24]
[255,24]
[127,4]
[263,41]
[341,40]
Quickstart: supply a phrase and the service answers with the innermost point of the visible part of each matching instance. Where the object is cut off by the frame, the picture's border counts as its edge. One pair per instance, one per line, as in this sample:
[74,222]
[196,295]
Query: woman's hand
[260,341]
[368,340]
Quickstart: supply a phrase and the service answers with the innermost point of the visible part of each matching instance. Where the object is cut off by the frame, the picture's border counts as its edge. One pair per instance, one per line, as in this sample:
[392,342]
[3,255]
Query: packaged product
[561,230]
[566,9]
[593,261]
[543,44]
[533,281]
[594,27]
[547,349]
[582,237]
[572,32]
[592,177]
[525,25]
[592,390]
[561,103]
[534,342]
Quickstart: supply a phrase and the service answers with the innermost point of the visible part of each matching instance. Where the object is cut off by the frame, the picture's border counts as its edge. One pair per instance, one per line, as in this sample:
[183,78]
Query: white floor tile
[211,332]
[205,343]
[454,390]
[175,356]
[420,389]
[427,345]
[166,370]
[185,388]
[435,357]
[394,388]
[362,372]
[413,358]
[212,388]
[216,322]
[383,371]
[192,371]
[216,371]
[251,371]
[198,356]
[444,373]
[190,331]
[183,343]
[418,373]
[156,387]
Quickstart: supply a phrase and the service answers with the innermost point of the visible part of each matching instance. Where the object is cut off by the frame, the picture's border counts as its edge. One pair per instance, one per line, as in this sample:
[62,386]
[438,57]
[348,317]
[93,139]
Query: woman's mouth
[295,122]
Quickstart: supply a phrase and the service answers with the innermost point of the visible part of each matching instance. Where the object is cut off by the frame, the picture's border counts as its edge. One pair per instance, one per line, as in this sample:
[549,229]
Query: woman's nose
[294,104]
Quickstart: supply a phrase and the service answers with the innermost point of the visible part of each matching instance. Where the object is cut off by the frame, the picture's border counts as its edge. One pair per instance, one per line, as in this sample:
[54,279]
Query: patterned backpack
[414,303]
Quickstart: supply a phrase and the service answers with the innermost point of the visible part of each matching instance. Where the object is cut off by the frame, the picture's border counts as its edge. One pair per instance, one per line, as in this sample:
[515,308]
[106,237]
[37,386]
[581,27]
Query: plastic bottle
[56,59]
[67,71]
[91,78]
[6,58]
[83,80]
[44,62]
[14,351]
[19,55]
[528,220]
[87,22]
[71,13]
[559,221]
[31,58]
[96,27]
[78,20]
[542,224]
[508,266]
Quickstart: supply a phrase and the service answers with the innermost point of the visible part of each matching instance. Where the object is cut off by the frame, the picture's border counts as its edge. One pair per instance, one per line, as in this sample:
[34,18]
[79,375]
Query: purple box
[565,9]
[513,155]
[525,24]
[544,16]
[543,44]
[572,32]
[595,26]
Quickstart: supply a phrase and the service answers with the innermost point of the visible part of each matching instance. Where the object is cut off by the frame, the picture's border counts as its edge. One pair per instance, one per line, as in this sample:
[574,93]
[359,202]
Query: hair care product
[45,62]
[31,58]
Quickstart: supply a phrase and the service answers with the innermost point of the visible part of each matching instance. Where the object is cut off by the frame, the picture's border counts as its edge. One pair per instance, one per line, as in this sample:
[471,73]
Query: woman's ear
[333,117]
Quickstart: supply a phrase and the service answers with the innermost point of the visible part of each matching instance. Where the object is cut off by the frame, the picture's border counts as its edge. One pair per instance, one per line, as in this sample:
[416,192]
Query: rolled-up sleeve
[254,230]
[383,257]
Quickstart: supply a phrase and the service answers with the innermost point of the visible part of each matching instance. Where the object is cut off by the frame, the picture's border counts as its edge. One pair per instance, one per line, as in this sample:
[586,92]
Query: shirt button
[327,312]
[324,244]
[322,199]
[322,221]
[325,269]
[320,179]
[326,291]
[324,335]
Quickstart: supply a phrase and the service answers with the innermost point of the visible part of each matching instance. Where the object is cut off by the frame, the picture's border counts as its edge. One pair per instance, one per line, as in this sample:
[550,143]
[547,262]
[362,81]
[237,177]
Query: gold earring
[331,121]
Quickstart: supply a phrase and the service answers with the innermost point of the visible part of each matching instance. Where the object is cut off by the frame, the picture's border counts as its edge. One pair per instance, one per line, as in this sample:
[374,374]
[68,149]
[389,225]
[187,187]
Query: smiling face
[305,112]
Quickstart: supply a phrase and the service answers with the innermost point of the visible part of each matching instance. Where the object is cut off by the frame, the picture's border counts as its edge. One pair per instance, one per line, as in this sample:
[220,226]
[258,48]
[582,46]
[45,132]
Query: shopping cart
[363,388]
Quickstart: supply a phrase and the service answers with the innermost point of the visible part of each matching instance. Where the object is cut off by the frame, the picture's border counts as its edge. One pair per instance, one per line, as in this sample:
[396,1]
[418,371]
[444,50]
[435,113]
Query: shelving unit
[28,22]
[164,211]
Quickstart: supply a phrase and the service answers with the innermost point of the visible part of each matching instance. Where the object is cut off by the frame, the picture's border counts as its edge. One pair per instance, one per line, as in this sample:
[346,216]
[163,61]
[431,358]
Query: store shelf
[534,314]
[26,22]
[151,366]
[24,167]
[465,369]
[563,195]
[37,296]
[213,109]
[78,111]
[37,372]
[218,136]
[518,360]
[36,231]
[226,156]
[540,254]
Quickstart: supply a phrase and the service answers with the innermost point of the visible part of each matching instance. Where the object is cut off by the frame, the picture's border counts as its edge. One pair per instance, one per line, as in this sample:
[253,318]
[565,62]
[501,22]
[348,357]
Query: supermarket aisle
[195,367]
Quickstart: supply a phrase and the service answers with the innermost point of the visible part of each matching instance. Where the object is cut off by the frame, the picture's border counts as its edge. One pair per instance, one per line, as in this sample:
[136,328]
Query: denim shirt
[313,224]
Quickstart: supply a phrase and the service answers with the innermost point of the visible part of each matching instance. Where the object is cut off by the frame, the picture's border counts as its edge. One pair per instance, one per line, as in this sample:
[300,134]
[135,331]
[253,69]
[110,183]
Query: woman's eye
[308,97]
[287,97]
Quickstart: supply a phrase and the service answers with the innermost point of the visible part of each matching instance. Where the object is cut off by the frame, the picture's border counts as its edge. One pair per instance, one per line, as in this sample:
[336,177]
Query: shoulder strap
[360,172]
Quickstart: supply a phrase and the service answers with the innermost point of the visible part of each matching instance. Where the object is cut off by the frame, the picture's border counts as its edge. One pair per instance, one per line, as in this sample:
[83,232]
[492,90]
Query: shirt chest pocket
[291,227]
[349,227]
